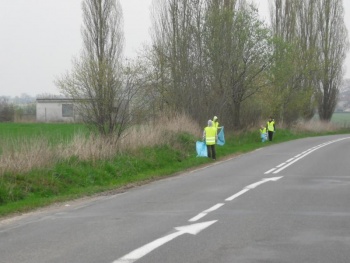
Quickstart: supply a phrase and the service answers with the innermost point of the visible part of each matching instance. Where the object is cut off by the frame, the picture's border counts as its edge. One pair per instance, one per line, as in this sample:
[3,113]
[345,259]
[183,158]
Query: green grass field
[52,131]
[342,119]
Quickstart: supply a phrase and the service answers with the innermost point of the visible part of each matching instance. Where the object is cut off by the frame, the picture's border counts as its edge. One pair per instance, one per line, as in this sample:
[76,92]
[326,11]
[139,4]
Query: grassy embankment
[45,163]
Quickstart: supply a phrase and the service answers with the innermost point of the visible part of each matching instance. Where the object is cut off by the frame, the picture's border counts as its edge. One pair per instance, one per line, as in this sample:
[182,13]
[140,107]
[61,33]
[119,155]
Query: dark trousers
[211,151]
[270,134]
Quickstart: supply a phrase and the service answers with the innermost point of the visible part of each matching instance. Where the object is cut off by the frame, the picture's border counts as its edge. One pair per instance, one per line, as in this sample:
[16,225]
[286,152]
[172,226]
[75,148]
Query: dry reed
[24,155]
[158,132]
[315,126]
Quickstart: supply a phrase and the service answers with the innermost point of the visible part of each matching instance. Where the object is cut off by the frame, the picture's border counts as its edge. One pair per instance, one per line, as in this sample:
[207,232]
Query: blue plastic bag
[201,148]
[221,137]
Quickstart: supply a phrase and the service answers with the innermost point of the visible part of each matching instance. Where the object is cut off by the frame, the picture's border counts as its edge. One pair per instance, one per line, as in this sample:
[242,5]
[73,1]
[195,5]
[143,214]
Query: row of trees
[11,111]
[309,55]
[211,57]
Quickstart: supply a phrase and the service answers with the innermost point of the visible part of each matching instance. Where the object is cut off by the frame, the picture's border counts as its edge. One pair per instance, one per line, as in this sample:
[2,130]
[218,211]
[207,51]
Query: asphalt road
[288,202]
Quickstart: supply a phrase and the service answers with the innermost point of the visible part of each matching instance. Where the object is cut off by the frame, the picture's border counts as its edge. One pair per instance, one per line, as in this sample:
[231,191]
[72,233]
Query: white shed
[55,110]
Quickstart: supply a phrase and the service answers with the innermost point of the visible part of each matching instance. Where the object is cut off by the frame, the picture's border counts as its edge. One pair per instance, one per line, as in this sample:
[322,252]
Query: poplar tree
[95,82]
[333,44]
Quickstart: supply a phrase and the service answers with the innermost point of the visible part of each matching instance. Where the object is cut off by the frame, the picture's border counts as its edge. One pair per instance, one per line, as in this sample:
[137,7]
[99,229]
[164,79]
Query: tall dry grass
[158,132]
[315,126]
[23,155]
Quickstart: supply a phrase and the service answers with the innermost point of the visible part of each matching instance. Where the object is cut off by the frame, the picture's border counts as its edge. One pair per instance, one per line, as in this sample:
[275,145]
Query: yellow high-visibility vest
[270,125]
[216,124]
[263,130]
[210,135]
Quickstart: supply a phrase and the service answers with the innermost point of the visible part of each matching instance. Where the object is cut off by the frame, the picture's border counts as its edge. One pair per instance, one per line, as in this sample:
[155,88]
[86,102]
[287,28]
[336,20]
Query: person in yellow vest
[210,137]
[263,133]
[270,126]
[216,123]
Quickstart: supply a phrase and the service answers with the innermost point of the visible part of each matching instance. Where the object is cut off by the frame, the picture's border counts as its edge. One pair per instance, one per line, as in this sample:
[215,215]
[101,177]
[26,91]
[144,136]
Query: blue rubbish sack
[221,137]
[201,148]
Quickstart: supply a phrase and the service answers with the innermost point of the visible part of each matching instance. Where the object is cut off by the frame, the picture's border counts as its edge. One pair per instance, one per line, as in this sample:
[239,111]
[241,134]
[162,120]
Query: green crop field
[54,132]
[15,134]
[342,118]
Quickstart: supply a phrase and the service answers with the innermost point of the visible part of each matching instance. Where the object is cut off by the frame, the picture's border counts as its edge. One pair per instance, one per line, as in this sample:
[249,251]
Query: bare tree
[177,50]
[95,82]
[307,45]
[206,56]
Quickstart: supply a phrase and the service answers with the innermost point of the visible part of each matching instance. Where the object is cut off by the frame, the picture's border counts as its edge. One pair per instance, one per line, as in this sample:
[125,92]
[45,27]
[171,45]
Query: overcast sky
[39,38]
